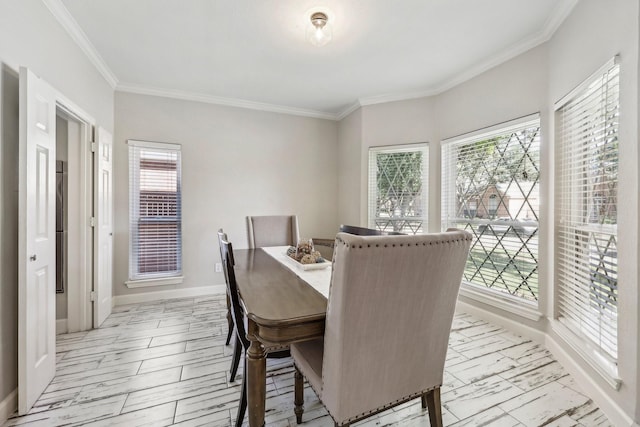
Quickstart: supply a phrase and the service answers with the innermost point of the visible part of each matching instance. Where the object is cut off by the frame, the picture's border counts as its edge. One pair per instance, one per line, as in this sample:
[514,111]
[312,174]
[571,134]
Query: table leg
[256,379]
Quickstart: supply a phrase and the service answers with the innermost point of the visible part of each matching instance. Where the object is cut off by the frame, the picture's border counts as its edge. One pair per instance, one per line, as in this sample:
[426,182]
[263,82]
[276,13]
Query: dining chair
[389,314]
[363,231]
[273,230]
[221,233]
[237,312]
[324,246]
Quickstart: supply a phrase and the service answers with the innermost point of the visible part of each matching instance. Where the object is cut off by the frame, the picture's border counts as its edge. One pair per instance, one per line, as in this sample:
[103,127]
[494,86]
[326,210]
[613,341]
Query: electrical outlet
[218,267]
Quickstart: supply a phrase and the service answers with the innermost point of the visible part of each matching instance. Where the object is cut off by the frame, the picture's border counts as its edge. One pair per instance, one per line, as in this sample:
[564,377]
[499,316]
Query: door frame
[80,241]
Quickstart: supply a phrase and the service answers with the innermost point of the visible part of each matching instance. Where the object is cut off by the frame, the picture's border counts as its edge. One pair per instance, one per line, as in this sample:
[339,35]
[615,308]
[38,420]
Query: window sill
[503,302]
[159,281]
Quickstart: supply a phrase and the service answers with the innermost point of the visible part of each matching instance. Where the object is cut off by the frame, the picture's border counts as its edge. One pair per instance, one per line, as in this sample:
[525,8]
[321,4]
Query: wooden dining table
[283,304]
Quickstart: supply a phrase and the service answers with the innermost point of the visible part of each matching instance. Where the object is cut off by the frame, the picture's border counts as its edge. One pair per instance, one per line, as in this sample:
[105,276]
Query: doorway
[74,236]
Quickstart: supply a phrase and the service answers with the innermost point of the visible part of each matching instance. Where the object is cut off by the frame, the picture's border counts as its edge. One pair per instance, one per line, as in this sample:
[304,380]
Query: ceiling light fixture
[319,33]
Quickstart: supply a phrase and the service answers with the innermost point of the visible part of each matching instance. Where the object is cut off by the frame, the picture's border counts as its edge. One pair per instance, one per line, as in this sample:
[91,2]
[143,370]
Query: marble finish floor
[165,363]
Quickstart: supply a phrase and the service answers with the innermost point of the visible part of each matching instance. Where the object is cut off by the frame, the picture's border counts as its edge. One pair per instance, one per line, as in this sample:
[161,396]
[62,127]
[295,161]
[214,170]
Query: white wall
[30,36]
[235,162]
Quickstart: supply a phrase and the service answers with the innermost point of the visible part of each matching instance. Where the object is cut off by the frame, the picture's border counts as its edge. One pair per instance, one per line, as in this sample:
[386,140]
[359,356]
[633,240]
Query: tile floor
[165,363]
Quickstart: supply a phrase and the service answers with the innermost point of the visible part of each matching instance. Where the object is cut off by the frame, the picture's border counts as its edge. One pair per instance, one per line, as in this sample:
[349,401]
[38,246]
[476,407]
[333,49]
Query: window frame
[499,299]
[172,276]
[372,181]
[590,351]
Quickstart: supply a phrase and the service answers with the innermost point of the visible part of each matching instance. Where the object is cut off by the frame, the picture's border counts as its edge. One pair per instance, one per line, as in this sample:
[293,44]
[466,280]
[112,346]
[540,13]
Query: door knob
[32,257]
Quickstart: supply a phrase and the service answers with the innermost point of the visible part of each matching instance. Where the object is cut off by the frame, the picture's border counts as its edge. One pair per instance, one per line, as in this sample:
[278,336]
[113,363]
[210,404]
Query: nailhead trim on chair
[401,400]
[373,411]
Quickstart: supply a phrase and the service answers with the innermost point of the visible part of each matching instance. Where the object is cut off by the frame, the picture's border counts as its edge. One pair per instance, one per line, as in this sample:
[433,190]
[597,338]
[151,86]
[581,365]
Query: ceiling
[253,53]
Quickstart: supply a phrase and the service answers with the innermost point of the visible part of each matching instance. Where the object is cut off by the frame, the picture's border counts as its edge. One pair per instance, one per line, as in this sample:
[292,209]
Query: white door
[36,239]
[103,273]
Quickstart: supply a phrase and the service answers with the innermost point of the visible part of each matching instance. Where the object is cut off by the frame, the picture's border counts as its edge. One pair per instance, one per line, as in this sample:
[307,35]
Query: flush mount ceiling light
[319,32]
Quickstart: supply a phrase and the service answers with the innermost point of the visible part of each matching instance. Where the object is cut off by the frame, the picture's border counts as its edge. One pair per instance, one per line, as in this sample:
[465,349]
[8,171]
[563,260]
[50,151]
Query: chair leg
[298,390]
[435,408]
[237,349]
[242,408]
[229,321]
[424,400]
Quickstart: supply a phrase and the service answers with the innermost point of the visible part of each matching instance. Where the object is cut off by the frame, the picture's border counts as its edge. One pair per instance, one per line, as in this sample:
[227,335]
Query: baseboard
[611,409]
[61,326]
[512,325]
[8,406]
[168,294]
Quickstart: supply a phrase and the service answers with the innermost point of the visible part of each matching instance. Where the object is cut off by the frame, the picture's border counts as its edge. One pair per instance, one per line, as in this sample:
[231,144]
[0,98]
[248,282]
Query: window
[155,227]
[398,188]
[586,274]
[490,187]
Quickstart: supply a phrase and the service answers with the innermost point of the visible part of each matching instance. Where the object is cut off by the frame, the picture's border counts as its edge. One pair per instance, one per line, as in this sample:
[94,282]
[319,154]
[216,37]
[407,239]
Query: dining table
[284,302]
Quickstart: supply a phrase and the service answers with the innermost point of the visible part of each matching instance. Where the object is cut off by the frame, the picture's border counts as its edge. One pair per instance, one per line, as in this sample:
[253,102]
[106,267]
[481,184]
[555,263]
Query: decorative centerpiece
[305,253]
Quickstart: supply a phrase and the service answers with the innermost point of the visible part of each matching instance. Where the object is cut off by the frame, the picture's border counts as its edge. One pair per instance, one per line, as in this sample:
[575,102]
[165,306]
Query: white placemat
[318,279]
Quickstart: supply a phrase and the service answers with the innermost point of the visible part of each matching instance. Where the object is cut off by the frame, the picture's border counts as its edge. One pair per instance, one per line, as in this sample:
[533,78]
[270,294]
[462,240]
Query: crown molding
[218,100]
[63,16]
[350,109]
[551,26]
[67,21]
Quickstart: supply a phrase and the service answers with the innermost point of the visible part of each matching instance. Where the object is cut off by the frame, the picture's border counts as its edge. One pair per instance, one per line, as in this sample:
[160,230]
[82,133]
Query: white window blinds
[586,212]
[155,212]
[398,188]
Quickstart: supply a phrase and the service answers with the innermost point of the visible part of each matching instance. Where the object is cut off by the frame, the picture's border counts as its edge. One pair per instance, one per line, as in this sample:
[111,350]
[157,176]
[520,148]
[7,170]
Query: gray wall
[235,162]
[30,36]
[526,84]
[350,168]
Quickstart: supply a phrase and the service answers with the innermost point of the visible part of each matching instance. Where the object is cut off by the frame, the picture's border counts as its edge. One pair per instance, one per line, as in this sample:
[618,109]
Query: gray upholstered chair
[324,246]
[389,314]
[274,230]
[363,231]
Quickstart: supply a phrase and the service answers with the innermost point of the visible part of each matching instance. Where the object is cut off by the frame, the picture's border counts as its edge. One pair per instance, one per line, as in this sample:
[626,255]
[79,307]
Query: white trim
[415,146]
[66,20]
[350,109]
[504,127]
[611,409]
[160,281]
[61,326]
[218,100]
[501,301]
[578,346]
[586,82]
[153,144]
[8,406]
[551,26]
[169,294]
[509,324]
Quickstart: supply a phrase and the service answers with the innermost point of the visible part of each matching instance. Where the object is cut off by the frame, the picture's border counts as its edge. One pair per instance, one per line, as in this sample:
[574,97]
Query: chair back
[362,231]
[226,251]
[273,230]
[389,315]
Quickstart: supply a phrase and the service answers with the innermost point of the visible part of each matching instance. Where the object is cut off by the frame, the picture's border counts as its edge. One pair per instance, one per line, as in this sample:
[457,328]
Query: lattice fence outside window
[490,187]
[398,188]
